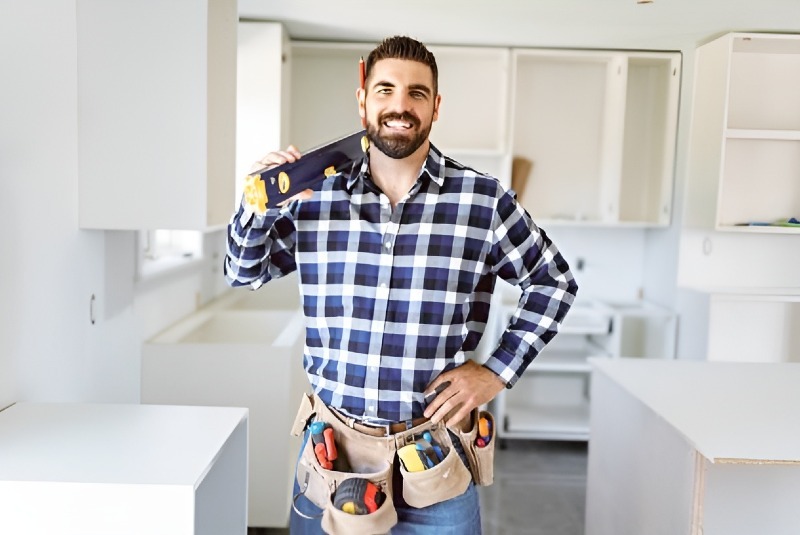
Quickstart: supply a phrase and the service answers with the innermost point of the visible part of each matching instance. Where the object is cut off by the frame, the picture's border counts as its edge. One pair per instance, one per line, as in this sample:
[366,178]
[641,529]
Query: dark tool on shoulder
[269,187]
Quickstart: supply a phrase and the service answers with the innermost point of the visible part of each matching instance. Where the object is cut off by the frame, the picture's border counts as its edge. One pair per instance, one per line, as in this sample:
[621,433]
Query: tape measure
[358,496]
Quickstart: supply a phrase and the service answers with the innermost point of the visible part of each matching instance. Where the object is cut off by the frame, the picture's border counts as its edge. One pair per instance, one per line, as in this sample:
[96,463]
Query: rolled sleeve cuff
[506,365]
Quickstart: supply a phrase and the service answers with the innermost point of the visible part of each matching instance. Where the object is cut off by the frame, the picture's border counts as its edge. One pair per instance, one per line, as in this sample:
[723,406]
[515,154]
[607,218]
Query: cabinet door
[156,113]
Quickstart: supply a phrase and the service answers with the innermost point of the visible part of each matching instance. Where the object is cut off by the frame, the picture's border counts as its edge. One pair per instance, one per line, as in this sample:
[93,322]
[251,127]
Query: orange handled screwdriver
[330,444]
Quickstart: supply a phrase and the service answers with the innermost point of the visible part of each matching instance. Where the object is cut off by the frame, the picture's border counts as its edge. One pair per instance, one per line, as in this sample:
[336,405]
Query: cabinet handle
[91,309]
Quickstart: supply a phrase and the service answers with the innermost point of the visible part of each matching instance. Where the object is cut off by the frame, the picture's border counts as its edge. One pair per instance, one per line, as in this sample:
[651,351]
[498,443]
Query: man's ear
[436,102]
[362,110]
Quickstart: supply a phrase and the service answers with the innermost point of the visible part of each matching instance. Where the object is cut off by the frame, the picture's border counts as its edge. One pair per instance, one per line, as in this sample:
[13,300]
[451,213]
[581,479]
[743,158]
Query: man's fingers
[279,157]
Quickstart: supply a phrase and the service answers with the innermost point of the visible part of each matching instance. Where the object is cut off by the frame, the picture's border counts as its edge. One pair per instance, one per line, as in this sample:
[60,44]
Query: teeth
[397,124]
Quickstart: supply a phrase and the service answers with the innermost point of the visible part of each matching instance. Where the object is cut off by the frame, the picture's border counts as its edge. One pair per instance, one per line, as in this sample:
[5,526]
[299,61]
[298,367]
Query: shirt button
[383,285]
[372,407]
[388,245]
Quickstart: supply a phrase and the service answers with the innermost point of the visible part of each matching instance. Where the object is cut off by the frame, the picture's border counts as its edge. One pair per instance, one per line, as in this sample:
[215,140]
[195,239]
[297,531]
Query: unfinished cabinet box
[744,156]
[156,113]
[551,401]
[598,128]
[237,353]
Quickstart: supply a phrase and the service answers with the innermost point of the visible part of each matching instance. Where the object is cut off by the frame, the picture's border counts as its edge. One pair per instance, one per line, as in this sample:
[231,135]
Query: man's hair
[402,47]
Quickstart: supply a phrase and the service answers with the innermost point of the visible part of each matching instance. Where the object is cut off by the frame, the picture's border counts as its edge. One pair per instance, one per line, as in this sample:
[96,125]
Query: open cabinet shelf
[744,156]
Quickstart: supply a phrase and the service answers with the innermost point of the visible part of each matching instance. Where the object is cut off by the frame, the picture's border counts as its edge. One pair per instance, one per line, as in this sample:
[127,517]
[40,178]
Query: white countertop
[729,411]
[110,443]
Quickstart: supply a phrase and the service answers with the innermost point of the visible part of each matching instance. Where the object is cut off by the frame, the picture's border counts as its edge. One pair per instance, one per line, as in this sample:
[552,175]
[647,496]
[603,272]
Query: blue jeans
[457,516]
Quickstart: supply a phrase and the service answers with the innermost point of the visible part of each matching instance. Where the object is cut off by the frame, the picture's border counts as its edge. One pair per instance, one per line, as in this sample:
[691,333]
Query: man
[397,261]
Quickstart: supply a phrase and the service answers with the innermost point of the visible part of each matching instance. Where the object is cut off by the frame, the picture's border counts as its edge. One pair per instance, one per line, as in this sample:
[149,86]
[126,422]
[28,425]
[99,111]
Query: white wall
[49,350]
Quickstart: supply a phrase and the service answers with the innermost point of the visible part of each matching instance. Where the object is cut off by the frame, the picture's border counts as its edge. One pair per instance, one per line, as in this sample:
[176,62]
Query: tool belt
[369,453]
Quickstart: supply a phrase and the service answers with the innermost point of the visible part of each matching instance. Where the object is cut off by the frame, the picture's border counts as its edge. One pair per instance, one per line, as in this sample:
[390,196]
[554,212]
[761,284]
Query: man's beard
[397,147]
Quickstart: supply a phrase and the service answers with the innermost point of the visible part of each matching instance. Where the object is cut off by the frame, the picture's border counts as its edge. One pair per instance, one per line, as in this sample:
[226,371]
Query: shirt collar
[434,167]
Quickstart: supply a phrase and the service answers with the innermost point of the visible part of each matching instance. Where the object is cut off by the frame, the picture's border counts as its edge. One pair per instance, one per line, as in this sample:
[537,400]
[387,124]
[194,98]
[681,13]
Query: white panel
[641,470]
[751,329]
[221,497]
[744,499]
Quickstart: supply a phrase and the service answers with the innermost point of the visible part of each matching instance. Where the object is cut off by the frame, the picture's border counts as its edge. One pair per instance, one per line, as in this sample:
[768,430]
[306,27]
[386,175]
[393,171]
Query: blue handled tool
[436,448]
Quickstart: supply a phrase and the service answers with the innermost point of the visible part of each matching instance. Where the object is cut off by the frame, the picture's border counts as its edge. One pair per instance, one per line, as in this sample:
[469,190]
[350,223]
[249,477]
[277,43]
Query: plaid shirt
[394,297]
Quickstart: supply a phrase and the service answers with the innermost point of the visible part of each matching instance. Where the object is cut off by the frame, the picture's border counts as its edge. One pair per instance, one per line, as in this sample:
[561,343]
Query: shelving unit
[551,401]
[745,153]
[744,168]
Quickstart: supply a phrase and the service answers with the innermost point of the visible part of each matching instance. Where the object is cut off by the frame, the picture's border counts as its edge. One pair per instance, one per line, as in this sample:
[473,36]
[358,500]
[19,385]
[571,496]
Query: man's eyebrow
[421,87]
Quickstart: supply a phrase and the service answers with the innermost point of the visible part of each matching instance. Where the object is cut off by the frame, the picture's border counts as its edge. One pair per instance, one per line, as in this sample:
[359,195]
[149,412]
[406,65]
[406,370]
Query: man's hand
[471,385]
[280,157]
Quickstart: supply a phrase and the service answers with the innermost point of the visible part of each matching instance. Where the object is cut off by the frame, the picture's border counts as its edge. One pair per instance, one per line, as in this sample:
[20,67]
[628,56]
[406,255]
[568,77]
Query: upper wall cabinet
[598,129]
[744,155]
[156,113]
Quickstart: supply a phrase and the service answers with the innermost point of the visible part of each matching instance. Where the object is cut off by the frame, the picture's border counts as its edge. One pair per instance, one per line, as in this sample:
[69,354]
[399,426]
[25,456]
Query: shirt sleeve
[260,247]
[524,256]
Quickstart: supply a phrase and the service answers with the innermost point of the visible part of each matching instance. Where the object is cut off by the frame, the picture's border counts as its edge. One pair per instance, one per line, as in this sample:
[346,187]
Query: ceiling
[662,24]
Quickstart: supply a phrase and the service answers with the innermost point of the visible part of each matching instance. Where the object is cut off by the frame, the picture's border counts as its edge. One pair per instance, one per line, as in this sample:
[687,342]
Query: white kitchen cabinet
[551,400]
[156,113]
[599,129]
[237,353]
[96,469]
[692,447]
[744,155]
[743,165]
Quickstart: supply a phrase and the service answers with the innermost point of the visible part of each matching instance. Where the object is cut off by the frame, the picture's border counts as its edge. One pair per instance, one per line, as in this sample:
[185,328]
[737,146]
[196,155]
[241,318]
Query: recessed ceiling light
[644,1]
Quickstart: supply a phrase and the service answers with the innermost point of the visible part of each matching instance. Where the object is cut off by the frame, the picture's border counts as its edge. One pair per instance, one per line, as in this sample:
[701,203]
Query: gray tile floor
[539,489]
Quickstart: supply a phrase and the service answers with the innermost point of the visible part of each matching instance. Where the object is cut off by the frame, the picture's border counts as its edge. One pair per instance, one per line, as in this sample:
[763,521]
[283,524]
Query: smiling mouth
[401,123]
[398,125]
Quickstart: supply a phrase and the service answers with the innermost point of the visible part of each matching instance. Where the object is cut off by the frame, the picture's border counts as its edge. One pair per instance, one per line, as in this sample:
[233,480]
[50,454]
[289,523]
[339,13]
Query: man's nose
[400,102]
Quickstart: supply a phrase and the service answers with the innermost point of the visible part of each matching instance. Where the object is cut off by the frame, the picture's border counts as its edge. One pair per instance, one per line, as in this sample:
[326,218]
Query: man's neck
[396,177]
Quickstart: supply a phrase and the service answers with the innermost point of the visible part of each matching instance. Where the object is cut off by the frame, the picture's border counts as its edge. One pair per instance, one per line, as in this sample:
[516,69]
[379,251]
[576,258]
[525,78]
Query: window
[164,250]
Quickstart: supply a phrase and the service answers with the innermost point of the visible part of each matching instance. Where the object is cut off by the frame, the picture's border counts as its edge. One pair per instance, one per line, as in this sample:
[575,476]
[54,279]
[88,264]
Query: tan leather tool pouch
[481,459]
[446,480]
[365,457]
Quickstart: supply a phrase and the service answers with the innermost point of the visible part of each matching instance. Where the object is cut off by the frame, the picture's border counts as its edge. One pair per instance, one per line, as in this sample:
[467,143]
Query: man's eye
[418,94]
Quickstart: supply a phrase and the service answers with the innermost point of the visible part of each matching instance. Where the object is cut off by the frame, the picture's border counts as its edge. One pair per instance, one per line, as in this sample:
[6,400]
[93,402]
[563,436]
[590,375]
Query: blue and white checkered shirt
[394,297]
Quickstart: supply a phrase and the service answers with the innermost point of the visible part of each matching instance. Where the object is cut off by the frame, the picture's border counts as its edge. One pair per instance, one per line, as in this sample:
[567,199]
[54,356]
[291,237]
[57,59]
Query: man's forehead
[404,69]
